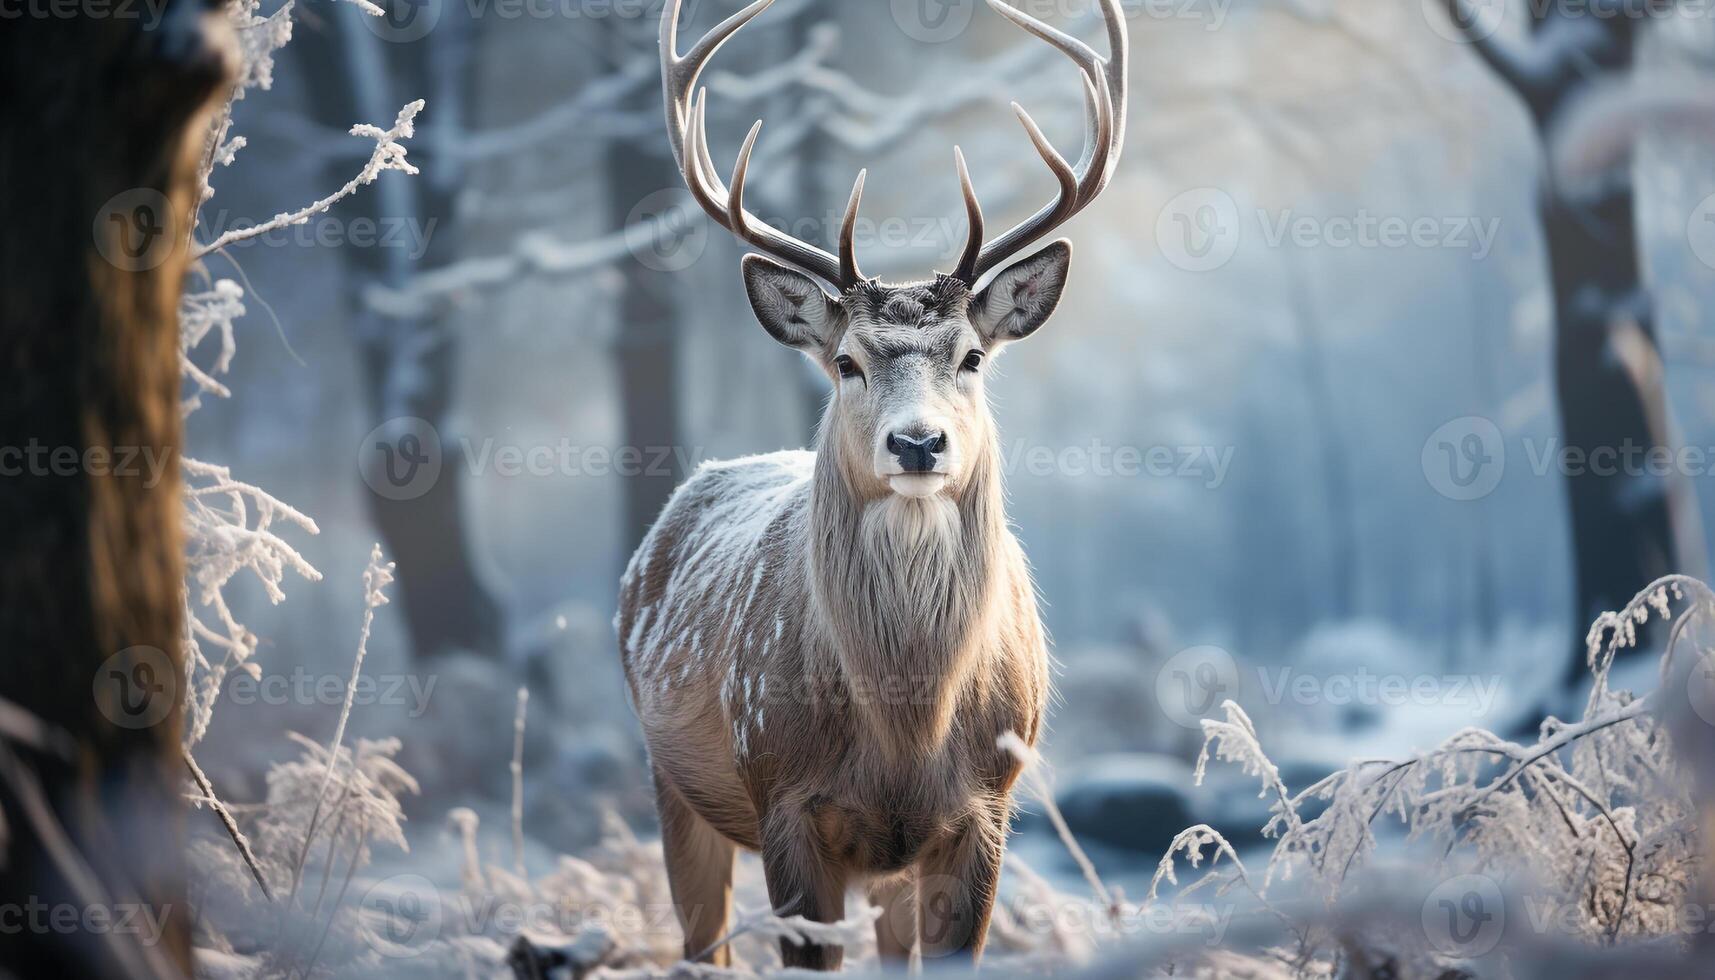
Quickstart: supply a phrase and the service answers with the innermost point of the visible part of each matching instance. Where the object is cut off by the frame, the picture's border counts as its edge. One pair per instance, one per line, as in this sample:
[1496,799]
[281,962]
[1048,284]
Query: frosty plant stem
[518,782]
[375,578]
[1564,806]
[227,821]
[795,928]
[1032,762]
[388,154]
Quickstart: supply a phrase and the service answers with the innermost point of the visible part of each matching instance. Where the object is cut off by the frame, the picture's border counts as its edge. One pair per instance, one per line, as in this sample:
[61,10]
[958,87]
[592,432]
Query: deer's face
[909,415]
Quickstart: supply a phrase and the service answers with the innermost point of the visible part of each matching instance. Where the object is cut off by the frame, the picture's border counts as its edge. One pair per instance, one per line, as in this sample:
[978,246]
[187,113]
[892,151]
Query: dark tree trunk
[1607,365]
[1608,378]
[410,362]
[98,154]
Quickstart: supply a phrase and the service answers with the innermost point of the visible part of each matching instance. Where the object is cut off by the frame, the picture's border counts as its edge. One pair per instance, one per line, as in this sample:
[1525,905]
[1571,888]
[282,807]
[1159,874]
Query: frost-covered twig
[388,154]
[518,782]
[1192,841]
[229,528]
[799,930]
[376,577]
[1032,762]
[226,820]
[1573,809]
[1234,740]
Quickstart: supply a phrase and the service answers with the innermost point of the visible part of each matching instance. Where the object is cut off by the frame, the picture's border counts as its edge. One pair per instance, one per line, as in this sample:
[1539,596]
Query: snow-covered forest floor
[1481,857]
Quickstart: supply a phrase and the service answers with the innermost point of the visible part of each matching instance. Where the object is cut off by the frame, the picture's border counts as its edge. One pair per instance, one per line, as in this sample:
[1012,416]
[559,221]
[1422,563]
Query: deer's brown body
[824,648]
[787,711]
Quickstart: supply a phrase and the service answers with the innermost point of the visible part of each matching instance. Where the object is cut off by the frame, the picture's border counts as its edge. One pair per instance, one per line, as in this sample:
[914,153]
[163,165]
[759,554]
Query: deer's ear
[1023,296]
[792,307]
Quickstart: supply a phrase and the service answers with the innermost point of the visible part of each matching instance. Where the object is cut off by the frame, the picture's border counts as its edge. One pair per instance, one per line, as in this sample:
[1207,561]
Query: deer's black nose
[916,451]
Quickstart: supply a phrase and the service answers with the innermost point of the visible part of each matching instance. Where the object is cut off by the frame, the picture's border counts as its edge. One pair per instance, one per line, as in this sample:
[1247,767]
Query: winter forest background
[1295,431]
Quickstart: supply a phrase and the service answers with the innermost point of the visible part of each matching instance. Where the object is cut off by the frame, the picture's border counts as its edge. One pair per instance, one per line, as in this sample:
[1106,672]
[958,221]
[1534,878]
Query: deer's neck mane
[907,591]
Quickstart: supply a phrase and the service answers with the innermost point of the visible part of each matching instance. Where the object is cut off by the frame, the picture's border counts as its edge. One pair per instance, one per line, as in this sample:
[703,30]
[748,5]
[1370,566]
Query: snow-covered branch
[388,154]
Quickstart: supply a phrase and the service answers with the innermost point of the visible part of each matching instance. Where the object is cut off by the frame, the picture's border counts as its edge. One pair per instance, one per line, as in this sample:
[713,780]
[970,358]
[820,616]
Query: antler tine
[1066,202]
[1098,106]
[758,234]
[735,199]
[1104,101]
[973,222]
[687,119]
[679,74]
[849,272]
[1118,88]
[709,192]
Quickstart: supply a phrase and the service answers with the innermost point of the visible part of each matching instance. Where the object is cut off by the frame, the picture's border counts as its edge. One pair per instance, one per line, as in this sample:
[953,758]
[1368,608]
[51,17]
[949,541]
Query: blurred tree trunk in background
[1607,364]
[1332,445]
[811,161]
[98,155]
[409,363]
[646,342]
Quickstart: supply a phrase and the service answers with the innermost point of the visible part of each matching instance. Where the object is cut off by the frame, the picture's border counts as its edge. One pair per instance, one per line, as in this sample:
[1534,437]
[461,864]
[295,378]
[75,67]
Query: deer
[826,648]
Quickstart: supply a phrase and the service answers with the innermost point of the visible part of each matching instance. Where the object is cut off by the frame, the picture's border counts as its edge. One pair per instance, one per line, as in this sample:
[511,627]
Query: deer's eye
[847,367]
[972,361]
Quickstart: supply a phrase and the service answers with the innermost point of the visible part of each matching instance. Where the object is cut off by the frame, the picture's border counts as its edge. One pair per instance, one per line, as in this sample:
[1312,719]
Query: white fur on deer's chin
[921,532]
[918,485]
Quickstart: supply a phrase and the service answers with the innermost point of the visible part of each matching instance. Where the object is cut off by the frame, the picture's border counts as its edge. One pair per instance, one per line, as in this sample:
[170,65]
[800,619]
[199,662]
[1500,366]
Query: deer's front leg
[802,881]
[957,880]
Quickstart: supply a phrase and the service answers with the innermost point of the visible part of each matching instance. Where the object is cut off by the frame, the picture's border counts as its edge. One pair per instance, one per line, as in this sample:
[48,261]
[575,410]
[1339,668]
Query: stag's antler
[1104,103]
[1104,114]
[686,119]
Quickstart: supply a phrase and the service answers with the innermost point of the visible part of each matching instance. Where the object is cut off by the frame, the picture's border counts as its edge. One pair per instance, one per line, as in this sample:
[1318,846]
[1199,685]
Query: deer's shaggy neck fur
[905,592]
